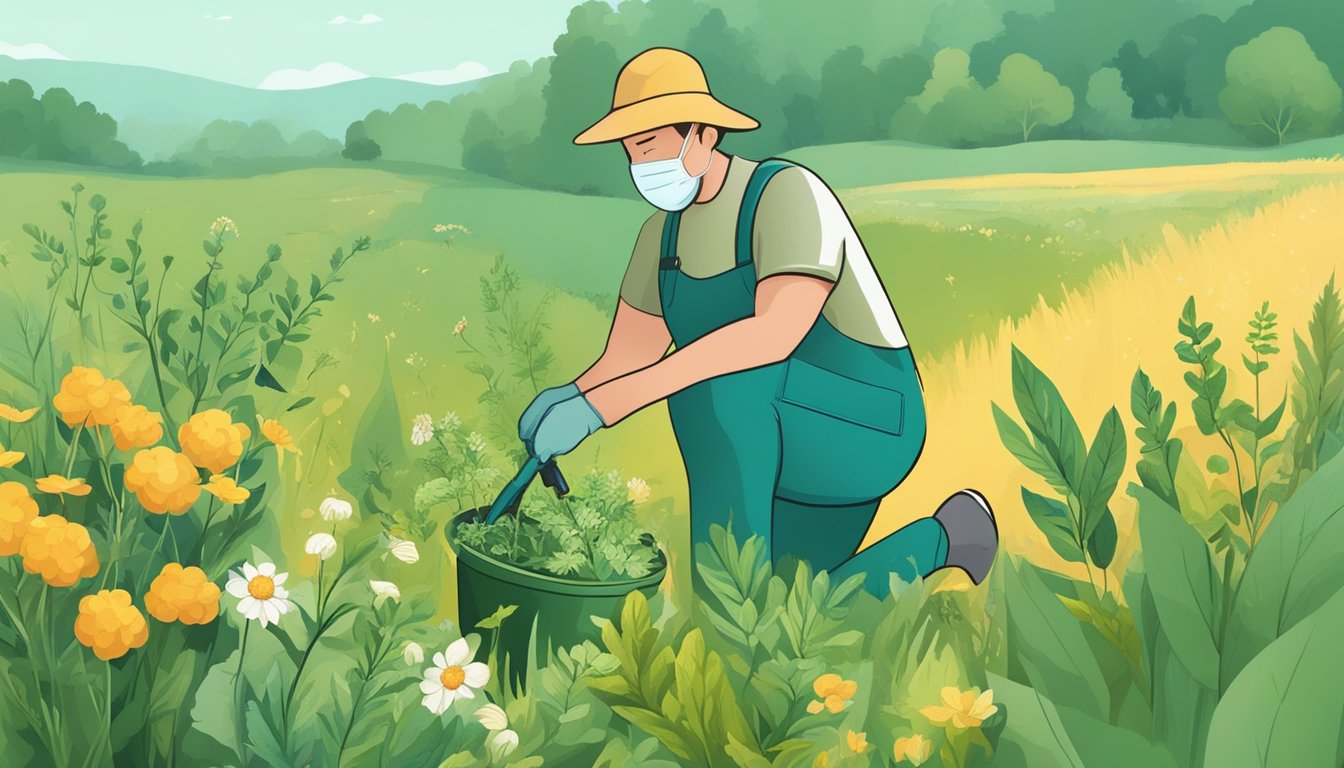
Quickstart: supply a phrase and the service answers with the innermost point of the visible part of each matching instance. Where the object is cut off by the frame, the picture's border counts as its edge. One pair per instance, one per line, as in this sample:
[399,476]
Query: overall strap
[667,255]
[746,215]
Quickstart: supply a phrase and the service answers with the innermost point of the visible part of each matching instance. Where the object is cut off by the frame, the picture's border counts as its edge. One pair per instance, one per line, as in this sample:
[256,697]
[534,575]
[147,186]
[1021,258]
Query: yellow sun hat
[662,86]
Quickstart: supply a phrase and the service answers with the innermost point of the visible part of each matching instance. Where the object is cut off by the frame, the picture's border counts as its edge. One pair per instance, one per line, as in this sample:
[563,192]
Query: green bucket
[563,608]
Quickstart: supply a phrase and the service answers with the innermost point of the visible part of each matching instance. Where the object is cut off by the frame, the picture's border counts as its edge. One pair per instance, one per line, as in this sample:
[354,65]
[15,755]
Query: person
[792,390]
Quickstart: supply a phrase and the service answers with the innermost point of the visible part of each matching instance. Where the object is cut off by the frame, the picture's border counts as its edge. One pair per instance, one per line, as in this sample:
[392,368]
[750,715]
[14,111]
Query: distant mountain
[164,104]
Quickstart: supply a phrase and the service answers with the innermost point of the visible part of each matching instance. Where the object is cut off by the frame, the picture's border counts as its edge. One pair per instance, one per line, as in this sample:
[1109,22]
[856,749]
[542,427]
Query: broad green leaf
[1021,446]
[1184,582]
[1052,517]
[1101,544]
[1048,419]
[1101,470]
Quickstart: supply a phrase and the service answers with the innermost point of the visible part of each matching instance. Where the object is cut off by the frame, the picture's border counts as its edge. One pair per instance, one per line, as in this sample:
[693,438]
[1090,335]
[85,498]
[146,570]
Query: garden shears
[508,500]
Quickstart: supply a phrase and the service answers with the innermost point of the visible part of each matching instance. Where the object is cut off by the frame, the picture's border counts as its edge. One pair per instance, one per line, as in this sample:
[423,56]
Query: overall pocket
[844,441]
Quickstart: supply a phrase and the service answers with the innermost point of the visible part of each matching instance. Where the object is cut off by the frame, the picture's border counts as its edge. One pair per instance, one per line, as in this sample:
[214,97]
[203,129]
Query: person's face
[664,143]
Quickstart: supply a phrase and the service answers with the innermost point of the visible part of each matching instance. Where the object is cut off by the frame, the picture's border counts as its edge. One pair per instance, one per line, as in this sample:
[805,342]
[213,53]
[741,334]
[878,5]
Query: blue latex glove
[527,424]
[564,426]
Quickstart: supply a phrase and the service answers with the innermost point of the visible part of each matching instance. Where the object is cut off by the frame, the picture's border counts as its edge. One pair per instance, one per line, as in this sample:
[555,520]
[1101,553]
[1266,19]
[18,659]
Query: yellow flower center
[452,677]
[261,587]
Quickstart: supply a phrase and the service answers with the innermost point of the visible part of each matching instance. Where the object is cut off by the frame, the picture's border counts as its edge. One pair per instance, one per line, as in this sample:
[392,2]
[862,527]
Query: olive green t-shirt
[800,227]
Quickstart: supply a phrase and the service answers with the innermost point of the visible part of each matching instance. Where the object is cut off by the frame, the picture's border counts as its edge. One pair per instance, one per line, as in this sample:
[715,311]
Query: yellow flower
[87,398]
[109,624]
[212,441]
[182,594]
[275,432]
[915,749]
[964,709]
[17,509]
[226,490]
[61,484]
[59,550]
[637,490]
[858,741]
[10,458]
[832,692]
[822,760]
[136,427]
[163,480]
[10,413]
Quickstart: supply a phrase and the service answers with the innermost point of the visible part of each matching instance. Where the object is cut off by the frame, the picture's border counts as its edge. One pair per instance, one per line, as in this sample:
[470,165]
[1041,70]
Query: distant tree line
[957,73]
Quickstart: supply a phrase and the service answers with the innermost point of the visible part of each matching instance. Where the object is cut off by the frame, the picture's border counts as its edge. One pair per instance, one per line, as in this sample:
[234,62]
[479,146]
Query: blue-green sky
[248,41]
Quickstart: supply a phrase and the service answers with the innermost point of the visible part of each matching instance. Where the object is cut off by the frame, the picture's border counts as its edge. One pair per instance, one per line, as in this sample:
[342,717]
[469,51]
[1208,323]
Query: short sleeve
[800,227]
[639,287]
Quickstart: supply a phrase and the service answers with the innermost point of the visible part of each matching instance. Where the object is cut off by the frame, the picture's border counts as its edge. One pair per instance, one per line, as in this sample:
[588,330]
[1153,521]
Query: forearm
[613,364]
[748,343]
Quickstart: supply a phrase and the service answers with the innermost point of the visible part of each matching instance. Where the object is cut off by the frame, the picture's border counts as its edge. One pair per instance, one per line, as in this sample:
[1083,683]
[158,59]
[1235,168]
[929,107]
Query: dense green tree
[1032,97]
[54,126]
[1277,87]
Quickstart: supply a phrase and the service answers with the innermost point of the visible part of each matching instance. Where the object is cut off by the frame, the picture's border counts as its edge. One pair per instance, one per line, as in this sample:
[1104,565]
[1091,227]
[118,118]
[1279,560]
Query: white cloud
[368,18]
[31,51]
[218,18]
[467,70]
[328,73]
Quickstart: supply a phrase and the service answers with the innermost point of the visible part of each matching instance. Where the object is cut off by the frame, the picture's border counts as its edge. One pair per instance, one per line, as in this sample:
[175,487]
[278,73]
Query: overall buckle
[669,262]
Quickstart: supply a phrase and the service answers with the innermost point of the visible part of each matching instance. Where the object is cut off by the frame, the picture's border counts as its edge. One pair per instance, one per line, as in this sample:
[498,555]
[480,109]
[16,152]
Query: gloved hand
[527,423]
[564,426]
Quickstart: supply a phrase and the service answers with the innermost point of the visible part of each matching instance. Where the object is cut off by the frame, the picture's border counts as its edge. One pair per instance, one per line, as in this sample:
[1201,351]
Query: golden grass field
[1123,318]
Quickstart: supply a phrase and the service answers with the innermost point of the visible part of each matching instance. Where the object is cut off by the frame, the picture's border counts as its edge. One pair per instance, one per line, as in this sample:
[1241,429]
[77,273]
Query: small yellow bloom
[822,760]
[279,436]
[136,427]
[17,509]
[964,709]
[183,594]
[832,692]
[10,458]
[109,624]
[59,484]
[59,550]
[226,490]
[212,440]
[858,741]
[87,397]
[460,327]
[637,490]
[916,749]
[10,413]
[163,480]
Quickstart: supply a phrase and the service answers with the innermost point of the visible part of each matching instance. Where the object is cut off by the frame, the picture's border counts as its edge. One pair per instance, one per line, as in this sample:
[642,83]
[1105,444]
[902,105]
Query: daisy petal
[477,674]
[249,571]
[457,652]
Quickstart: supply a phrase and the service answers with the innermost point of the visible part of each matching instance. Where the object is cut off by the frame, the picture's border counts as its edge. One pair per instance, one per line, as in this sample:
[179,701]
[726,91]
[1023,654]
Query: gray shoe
[972,534]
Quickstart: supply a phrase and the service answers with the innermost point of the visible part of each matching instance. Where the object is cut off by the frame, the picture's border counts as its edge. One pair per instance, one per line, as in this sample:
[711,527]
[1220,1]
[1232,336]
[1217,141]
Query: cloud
[218,18]
[328,73]
[368,18]
[467,70]
[31,51]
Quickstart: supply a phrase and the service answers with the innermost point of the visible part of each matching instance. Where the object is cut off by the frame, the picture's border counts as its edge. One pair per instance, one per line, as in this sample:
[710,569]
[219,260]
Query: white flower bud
[413,654]
[334,509]
[492,717]
[321,544]
[503,743]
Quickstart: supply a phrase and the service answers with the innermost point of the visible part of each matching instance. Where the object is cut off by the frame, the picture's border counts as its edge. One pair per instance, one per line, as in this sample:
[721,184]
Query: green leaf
[1052,517]
[497,618]
[1050,643]
[1101,544]
[1101,470]
[1217,464]
[1048,419]
[1185,584]
[1021,446]
[1287,706]
[1295,567]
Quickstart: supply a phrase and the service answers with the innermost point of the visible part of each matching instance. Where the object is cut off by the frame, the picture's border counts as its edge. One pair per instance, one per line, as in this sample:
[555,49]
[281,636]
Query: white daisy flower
[334,509]
[321,544]
[414,654]
[502,744]
[382,590]
[454,676]
[404,550]
[260,594]
[492,717]
[422,429]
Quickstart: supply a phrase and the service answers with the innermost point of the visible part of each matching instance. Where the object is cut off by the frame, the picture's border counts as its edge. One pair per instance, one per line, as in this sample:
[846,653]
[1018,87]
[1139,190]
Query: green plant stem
[240,711]
[200,335]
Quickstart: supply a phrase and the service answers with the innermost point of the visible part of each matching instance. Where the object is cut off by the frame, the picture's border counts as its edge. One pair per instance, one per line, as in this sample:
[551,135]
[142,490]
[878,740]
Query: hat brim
[668,109]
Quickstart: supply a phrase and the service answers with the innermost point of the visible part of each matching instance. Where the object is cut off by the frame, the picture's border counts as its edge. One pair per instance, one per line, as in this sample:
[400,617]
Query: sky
[289,43]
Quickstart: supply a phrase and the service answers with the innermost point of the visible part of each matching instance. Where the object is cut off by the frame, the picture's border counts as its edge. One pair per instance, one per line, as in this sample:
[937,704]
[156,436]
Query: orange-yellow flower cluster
[60,484]
[59,550]
[832,693]
[163,480]
[227,490]
[212,441]
[136,427]
[87,397]
[109,624]
[182,594]
[17,509]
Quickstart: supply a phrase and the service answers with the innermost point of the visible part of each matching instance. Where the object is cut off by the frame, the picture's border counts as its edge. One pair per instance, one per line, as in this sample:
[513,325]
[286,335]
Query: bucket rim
[500,570]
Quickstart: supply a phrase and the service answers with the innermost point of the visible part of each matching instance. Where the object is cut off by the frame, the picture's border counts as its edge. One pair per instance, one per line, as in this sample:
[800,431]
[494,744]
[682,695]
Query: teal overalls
[800,451]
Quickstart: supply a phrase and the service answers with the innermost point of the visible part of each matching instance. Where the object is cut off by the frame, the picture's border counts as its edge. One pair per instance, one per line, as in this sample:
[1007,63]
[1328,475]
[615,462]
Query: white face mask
[665,183]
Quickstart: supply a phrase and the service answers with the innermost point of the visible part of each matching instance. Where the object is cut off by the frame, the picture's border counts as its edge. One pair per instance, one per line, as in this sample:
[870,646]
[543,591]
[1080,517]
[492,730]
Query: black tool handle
[551,478]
